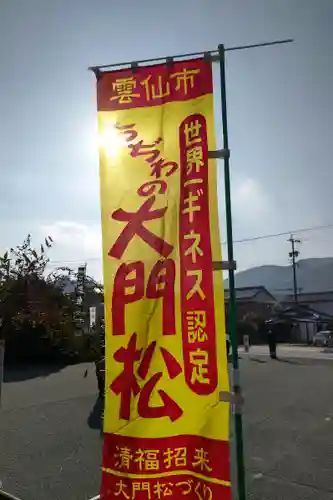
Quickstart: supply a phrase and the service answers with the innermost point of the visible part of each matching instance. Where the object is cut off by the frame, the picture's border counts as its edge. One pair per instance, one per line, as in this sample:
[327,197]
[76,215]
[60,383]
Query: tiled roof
[249,292]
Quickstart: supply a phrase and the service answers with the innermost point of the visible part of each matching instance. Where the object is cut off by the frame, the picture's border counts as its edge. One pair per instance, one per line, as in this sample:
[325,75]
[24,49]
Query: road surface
[291,351]
[288,427]
[51,423]
[50,420]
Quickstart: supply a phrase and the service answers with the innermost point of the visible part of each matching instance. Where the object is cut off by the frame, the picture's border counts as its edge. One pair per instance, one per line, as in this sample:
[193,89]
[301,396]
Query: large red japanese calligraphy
[166,432]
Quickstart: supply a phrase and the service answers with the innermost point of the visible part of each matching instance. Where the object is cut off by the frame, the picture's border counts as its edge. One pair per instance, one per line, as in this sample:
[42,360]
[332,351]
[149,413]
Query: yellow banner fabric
[166,358]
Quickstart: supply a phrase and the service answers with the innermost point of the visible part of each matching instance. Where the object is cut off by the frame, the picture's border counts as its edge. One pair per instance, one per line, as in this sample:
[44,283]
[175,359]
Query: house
[252,300]
[313,312]
[322,302]
[253,305]
[299,321]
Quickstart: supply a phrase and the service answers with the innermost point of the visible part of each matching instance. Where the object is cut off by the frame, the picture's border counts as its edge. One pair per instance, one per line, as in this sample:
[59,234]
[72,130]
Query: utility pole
[293,256]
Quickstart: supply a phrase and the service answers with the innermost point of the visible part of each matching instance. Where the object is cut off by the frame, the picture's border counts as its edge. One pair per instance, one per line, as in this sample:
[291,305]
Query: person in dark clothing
[271,337]
[100,363]
[228,344]
[99,366]
[99,354]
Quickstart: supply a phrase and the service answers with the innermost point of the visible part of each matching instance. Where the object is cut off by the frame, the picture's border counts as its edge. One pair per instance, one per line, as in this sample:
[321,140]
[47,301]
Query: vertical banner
[165,431]
[79,314]
[92,316]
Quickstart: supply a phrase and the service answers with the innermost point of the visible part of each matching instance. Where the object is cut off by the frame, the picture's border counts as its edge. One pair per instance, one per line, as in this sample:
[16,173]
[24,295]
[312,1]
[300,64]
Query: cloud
[254,213]
[253,209]
[75,244]
[250,200]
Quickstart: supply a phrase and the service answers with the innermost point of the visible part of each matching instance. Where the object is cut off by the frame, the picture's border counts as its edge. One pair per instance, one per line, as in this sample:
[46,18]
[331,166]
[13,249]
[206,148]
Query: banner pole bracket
[219,154]
[134,66]
[236,399]
[97,72]
[224,265]
[215,57]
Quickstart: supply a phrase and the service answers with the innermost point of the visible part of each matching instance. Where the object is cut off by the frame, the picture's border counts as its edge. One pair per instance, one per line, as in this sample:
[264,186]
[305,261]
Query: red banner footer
[154,468]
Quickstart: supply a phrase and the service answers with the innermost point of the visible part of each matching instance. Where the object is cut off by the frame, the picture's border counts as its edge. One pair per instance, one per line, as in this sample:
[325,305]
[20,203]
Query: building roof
[300,313]
[249,293]
[310,297]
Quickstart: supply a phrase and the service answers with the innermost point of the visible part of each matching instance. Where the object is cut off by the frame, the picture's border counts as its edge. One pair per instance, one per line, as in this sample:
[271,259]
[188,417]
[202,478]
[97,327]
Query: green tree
[21,276]
[32,299]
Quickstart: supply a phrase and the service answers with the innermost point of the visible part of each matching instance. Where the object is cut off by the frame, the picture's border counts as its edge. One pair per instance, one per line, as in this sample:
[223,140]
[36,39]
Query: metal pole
[156,60]
[2,359]
[232,293]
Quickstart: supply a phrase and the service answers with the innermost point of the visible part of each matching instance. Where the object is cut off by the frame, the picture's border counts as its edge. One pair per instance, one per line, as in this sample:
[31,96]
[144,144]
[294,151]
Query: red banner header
[154,85]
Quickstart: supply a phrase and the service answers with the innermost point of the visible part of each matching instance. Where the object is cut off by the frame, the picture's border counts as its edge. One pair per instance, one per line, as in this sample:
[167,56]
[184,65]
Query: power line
[284,233]
[243,240]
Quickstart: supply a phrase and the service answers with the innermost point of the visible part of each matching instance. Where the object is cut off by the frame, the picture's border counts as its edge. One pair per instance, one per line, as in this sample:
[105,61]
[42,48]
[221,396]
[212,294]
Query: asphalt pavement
[291,351]
[288,427]
[50,440]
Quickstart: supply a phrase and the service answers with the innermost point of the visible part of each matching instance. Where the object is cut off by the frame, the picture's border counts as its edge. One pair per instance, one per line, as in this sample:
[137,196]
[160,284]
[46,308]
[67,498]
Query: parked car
[323,338]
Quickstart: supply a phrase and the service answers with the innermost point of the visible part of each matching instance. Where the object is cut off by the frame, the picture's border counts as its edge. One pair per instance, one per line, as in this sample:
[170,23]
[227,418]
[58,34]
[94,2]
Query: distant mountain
[313,275]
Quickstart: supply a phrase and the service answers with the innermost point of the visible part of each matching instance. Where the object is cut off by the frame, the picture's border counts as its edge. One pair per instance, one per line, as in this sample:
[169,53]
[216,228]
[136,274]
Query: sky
[280,111]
